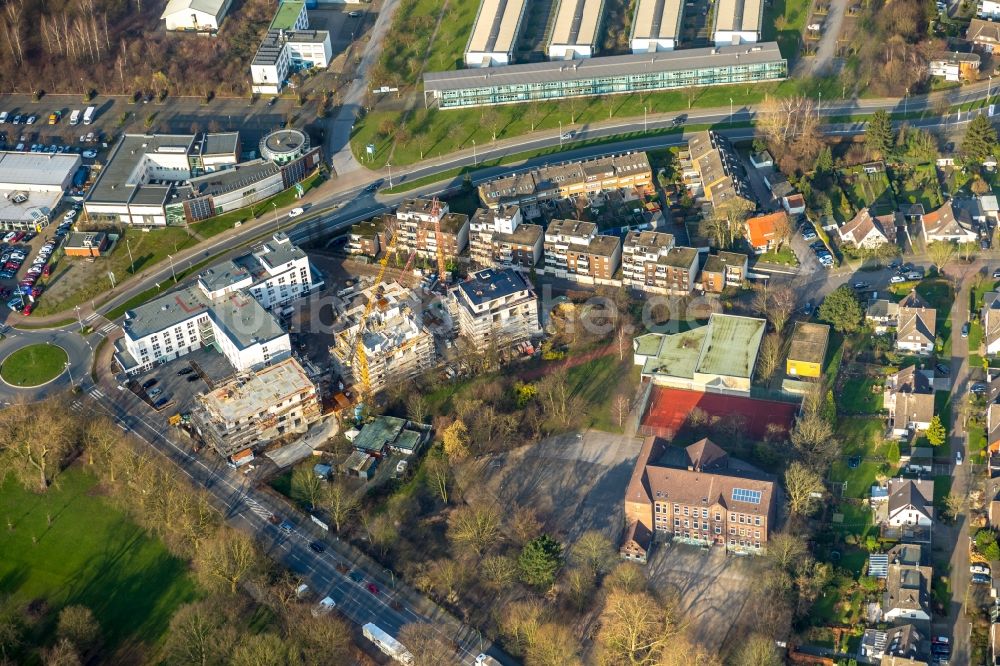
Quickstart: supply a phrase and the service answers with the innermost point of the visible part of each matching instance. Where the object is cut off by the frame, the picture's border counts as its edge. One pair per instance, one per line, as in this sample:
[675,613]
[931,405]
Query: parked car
[979,388]
[861,285]
[996,274]
[153,392]
[317,547]
[914,275]
[286,527]
[295,212]
[980,579]
[942,369]
[150,383]
[356,576]
[185,371]
[193,378]
[965,330]
[372,587]
[896,279]
[979,569]
[958,457]
[354,14]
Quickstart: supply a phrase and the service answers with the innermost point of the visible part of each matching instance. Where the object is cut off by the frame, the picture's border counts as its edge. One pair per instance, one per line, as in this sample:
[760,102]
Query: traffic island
[34,365]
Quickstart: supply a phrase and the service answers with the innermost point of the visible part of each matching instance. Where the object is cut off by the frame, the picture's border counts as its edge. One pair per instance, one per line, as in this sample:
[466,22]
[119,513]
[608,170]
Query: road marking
[107,329]
[96,392]
[91,316]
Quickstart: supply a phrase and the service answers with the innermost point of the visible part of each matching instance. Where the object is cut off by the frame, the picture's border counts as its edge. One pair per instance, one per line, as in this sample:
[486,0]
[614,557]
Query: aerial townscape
[499,332]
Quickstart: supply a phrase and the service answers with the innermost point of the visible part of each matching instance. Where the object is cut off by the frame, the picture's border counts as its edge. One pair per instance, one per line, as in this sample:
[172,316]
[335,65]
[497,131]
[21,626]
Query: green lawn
[858,397]
[942,488]
[977,442]
[857,520]
[216,225]
[90,554]
[34,365]
[871,190]
[796,13]
[75,281]
[598,382]
[918,184]
[784,256]
[857,436]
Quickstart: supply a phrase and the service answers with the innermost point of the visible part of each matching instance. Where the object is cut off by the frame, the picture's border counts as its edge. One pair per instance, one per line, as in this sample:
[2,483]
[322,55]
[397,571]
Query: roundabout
[34,365]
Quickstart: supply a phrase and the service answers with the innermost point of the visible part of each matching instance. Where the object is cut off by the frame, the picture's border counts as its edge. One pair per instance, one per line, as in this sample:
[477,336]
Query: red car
[47,271]
[27,309]
[18,237]
[36,292]
[372,587]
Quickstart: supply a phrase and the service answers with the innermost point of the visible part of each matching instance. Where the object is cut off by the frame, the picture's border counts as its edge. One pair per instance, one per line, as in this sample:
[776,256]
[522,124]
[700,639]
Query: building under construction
[395,342]
[257,408]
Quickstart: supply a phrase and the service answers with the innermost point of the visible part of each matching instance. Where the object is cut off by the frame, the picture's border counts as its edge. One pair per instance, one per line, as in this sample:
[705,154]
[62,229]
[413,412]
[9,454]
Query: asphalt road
[247,508]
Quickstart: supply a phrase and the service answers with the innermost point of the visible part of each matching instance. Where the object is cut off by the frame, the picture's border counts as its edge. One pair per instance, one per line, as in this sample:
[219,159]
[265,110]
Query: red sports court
[669,408]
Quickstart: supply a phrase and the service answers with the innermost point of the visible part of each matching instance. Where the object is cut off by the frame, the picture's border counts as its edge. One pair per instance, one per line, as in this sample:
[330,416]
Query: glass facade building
[609,75]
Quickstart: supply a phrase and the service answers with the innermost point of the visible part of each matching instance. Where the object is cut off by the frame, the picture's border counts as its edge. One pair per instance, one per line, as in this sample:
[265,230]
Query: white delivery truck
[74,118]
[387,644]
[88,115]
[323,607]
[486,660]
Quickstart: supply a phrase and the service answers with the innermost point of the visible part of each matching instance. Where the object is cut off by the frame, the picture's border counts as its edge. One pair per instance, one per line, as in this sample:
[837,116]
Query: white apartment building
[230,307]
[496,307]
[284,52]
[198,15]
[501,238]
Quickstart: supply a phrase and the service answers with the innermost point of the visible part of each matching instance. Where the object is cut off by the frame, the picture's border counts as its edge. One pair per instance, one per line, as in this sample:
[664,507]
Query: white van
[3,117]
[74,118]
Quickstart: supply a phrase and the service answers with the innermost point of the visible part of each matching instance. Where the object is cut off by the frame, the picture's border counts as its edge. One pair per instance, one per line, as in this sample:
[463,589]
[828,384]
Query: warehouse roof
[114,184]
[809,342]
[657,19]
[604,67]
[739,15]
[241,176]
[495,29]
[286,16]
[37,169]
[577,22]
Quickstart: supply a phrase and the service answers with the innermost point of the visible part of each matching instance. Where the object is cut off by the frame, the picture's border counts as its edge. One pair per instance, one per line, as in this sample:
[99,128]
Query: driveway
[822,62]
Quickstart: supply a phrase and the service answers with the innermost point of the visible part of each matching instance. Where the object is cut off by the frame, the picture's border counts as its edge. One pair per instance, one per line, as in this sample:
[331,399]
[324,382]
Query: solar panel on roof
[744,495]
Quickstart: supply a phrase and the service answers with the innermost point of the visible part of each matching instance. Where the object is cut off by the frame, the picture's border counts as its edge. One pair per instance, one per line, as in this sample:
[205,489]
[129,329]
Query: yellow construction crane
[358,345]
[439,240]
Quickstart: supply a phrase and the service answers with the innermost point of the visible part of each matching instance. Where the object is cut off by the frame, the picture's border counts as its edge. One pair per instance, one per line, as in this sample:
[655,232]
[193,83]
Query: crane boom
[439,240]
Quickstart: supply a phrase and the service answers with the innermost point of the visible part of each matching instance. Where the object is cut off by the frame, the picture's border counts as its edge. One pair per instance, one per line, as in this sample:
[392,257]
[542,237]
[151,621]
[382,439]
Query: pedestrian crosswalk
[107,328]
[91,317]
[76,406]
[258,509]
[95,392]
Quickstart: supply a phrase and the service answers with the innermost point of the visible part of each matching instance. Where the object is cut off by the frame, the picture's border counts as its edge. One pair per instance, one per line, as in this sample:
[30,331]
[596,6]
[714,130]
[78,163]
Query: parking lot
[174,385]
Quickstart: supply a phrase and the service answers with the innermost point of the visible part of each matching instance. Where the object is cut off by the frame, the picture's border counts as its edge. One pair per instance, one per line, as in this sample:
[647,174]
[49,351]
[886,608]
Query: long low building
[738,22]
[611,75]
[31,186]
[494,33]
[656,26]
[575,30]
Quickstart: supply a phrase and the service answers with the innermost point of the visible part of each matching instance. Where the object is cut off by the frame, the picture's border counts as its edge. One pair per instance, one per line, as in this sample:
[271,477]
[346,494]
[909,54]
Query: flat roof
[39,205]
[657,19]
[37,169]
[378,434]
[286,140]
[809,342]
[287,14]
[731,345]
[272,45]
[245,320]
[495,29]
[245,399]
[165,312]
[576,22]
[739,15]
[238,177]
[603,67]
[490,284]
[112,184]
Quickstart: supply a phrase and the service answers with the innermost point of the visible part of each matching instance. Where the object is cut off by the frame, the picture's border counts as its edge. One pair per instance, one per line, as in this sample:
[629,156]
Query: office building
[494,33]
[230,307]
[575,29]
[86,244]
[609,75]
[737,22]
[651,263]
[291,15]
[284,52]
[251,411]
[560,181]
[656,25]
[500,238]
[396,344]
[31,187]
[697,495]
[574,250]
[195,15]
[495,307]
[417,223]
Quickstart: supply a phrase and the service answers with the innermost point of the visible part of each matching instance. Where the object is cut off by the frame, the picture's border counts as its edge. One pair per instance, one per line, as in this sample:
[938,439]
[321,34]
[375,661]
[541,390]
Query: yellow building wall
[802,369]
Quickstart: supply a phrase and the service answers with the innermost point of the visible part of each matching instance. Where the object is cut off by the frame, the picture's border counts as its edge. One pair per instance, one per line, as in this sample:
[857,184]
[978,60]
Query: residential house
[724,269]
[984,35]
[778,184]
[716,172]
[627,171]
[807,350]
[907,594]
[697,495]
[794,204]
[870,231]
[909,398]
[500,238]
[916,325]
[955,66]
[422,225]
[765,232]
[574,250]
[904,641]
[911,504]
[369,238]
[653,264]
[990,316]
[718,357]
[948,223]
[882,314]
[495,307]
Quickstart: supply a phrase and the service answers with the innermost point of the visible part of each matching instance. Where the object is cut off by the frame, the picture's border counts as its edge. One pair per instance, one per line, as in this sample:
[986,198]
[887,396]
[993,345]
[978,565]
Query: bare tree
[757,651]
[941,253]
[200,634]
[524,524]
[475,526]
[620,407]
[32,448]
[426,643]
[635,628]
[782,306]
[307,487]
[554,645]
[438,470]
[784,550]
[770,356]
[339,502]
[594,551]
[498,572]
[804,488]
[229,559]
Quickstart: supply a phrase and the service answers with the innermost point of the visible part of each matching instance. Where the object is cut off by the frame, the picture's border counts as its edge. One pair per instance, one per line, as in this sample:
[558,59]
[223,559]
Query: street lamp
[171,258]
[392,577]
[560,134]
[644,121]
[730,111]
[389,166]
[78,319]
[906,99]
[128,246]
[819,105]
[68,372]
[989,88]
[475,159]
[274,207]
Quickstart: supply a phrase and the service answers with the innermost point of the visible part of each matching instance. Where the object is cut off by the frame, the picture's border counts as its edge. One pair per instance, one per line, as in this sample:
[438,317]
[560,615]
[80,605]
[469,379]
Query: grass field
[868,190]
[216,225]
[857,435]
[89,554]
[857,397]
[76,281]
[33,365]
[784,256]
[598,382]
[918,186]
